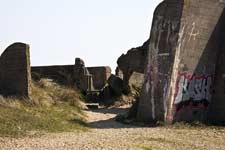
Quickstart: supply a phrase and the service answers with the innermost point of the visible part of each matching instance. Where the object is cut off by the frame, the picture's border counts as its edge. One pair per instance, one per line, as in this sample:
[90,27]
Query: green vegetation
[52,108]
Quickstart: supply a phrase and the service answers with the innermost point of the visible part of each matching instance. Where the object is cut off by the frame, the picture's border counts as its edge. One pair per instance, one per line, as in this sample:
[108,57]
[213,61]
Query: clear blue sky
[98,31]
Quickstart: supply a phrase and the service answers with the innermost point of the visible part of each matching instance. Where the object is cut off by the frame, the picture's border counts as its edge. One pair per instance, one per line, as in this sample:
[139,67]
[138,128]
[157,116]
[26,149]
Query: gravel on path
[107,134]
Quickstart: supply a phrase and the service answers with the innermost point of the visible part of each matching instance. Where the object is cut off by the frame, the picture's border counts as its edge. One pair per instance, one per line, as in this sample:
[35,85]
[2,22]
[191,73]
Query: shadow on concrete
[216,113]
[211,60]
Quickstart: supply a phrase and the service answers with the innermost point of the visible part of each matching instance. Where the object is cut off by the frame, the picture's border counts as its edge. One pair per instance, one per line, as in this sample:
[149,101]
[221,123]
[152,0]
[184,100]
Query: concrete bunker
[184,76]
[87,79]
[15,76]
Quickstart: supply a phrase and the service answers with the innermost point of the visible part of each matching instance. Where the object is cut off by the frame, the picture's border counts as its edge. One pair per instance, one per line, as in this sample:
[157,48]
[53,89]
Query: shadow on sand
[110,121]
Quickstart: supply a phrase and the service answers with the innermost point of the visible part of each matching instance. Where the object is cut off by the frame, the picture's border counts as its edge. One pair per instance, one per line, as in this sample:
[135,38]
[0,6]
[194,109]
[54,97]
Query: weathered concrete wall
[132,64]
[161,51]
[216,113]
[217,108]
[100,76]
[61,74]
[195,61]
[134,59]
[15,77]
[181,69]
[82,77]
[136,80]
[69,74]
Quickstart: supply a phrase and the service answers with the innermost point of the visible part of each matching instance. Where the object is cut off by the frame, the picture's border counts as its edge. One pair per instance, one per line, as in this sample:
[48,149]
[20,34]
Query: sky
[58,31]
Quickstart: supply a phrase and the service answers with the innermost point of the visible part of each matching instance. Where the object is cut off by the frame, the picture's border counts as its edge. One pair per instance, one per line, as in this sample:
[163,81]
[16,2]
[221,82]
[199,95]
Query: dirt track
[109,135]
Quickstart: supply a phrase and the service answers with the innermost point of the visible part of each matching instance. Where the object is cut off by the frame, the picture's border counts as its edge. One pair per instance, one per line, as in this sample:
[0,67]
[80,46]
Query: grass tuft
[52,108]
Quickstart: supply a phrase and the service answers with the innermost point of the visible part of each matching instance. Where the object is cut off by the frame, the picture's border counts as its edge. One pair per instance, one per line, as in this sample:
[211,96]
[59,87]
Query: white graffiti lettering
[194,88]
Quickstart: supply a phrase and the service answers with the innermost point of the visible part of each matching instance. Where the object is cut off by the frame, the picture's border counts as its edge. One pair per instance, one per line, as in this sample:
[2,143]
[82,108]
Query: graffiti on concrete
[193,34]
[193,88]
[162,28]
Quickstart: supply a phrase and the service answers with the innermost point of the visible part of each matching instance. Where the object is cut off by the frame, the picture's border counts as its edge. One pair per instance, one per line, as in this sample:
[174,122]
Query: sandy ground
[108,134]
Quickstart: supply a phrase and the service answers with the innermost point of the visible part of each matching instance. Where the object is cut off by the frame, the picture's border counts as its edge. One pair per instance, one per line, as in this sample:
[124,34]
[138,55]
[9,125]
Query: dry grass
[52,108]
[46,93]
[184,136]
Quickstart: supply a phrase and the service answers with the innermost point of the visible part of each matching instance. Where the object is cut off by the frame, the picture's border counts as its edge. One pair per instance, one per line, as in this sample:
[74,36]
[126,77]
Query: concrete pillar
[183,50]
[15,74]
[161,51]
